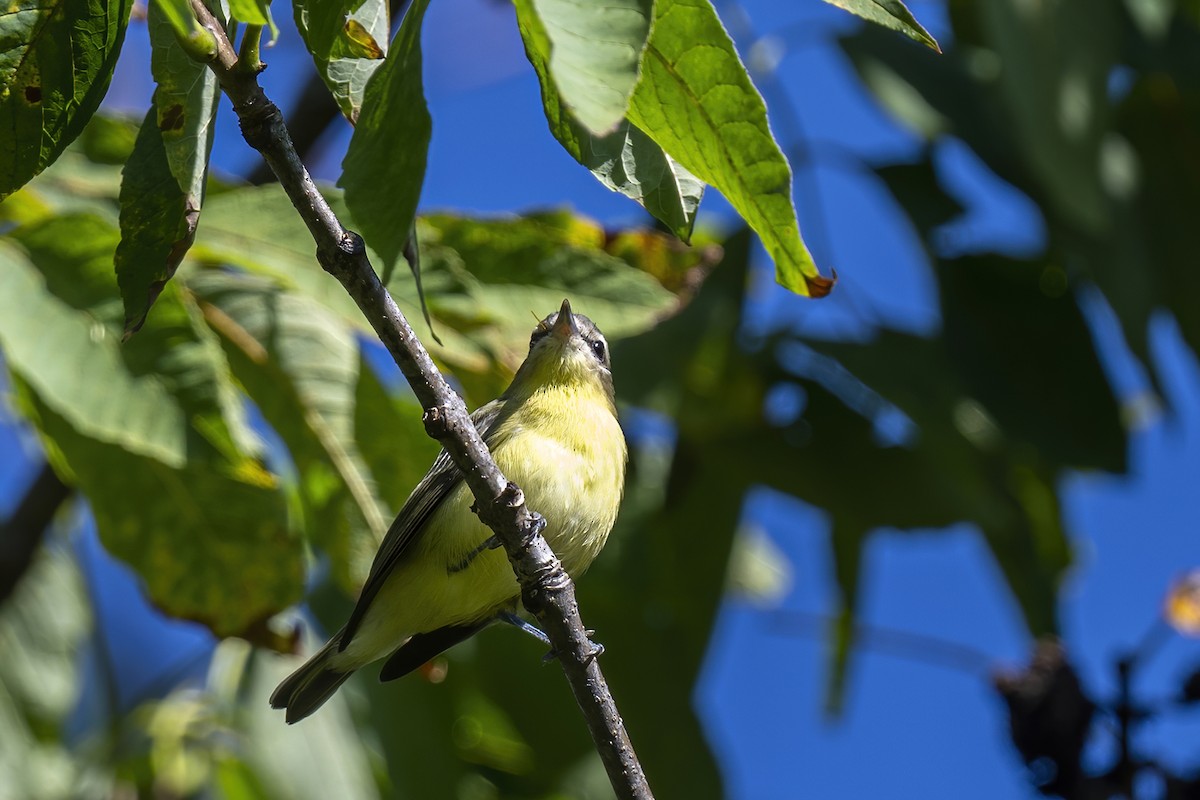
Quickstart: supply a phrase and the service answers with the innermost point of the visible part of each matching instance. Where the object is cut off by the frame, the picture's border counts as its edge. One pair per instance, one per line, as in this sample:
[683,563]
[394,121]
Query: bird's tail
[307,689]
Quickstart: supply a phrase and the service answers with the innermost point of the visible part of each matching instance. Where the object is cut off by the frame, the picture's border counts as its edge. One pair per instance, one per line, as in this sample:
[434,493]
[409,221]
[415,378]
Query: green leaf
[890,14]
[697,102]
[158,223]
[158,217]
[44,627]
[56,60]
[518,270]
[210,547]
[625,160]
[300,365]
[157,451]
[278,244]
[253,12]
[74,254]
[590,53]
[64,356]
[385,162]
[336,33]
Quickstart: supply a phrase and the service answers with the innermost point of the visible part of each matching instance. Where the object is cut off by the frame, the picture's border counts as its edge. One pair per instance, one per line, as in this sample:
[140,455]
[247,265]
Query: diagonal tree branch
[546,589]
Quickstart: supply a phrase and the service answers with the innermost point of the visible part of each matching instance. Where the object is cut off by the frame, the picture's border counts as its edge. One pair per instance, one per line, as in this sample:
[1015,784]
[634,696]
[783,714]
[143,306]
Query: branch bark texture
[547,590]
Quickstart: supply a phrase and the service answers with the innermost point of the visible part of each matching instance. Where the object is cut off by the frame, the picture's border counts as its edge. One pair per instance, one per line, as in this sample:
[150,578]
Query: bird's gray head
[566,348]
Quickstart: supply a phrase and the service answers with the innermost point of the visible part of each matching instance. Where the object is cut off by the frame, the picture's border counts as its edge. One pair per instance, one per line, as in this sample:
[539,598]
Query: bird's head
[565,350]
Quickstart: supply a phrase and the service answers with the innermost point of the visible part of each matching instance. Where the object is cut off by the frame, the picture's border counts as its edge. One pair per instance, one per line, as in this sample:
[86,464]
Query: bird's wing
[424,646]
[435,487]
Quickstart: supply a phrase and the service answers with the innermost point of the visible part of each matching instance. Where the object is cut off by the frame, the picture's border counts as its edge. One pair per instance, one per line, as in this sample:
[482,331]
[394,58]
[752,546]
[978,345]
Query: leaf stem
[248,54]
[546,588]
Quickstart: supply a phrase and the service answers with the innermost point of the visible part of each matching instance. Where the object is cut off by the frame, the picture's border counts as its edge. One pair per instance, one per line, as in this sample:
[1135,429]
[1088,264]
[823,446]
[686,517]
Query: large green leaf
[158,217]
[590,54]
[73,254]
[384,166]
[625,159]
[334,31]
[300,364]
[890,14]
[64,355]
[697,102]
[161,452]
[56,59]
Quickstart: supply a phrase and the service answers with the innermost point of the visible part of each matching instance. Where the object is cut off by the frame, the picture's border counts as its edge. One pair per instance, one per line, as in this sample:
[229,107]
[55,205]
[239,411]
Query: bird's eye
[598,349]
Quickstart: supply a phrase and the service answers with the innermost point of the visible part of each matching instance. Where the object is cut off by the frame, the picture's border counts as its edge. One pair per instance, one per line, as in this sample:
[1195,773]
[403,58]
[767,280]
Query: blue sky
[911,728]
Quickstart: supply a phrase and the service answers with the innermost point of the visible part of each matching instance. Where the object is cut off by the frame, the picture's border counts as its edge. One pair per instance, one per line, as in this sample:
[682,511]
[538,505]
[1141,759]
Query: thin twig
[547,590]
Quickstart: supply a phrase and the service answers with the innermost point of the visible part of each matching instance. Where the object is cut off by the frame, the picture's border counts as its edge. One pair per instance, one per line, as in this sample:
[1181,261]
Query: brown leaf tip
[819,286]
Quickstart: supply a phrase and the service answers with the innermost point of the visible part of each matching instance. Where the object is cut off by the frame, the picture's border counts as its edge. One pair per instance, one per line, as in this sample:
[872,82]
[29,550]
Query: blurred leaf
[43,627]
[518,270]
[1054,87]
[74,255]
[1018,340]
[323,758]
[108,139]
[159,218]
[336,43]
[1146,263]
[759,571]
[384,166]
[697,102]
[919,194]
[589,55]
[163,454]
[625,160]
[891,14]
[391,437]
[1182,607]
[62,353]
[55,64]
[300,366]
[210,547]
[278,244]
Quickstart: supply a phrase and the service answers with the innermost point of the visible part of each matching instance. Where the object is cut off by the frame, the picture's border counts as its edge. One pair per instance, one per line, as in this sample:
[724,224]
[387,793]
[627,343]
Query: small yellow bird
[438,577]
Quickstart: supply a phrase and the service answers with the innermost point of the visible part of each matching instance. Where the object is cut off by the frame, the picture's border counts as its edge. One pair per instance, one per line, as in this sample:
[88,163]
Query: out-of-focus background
[849,521]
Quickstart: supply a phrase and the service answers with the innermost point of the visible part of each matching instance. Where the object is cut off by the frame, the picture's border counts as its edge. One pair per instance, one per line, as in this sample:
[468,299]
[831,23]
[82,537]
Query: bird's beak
[565,325]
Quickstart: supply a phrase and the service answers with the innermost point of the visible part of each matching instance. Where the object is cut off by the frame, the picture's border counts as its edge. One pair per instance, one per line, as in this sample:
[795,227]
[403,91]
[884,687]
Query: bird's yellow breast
[564,448]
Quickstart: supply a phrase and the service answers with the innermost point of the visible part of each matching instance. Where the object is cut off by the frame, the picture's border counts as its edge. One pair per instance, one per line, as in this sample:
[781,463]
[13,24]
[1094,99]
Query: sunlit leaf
[890,14]
[336,32]
[56,61]
[589,54]
[384,166]
[697,102]
[624,159]
[158,217]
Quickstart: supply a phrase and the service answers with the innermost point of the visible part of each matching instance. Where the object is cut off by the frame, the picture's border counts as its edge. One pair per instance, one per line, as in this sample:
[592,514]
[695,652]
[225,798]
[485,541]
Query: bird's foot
[595,650]
[491,543]
[523,624]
